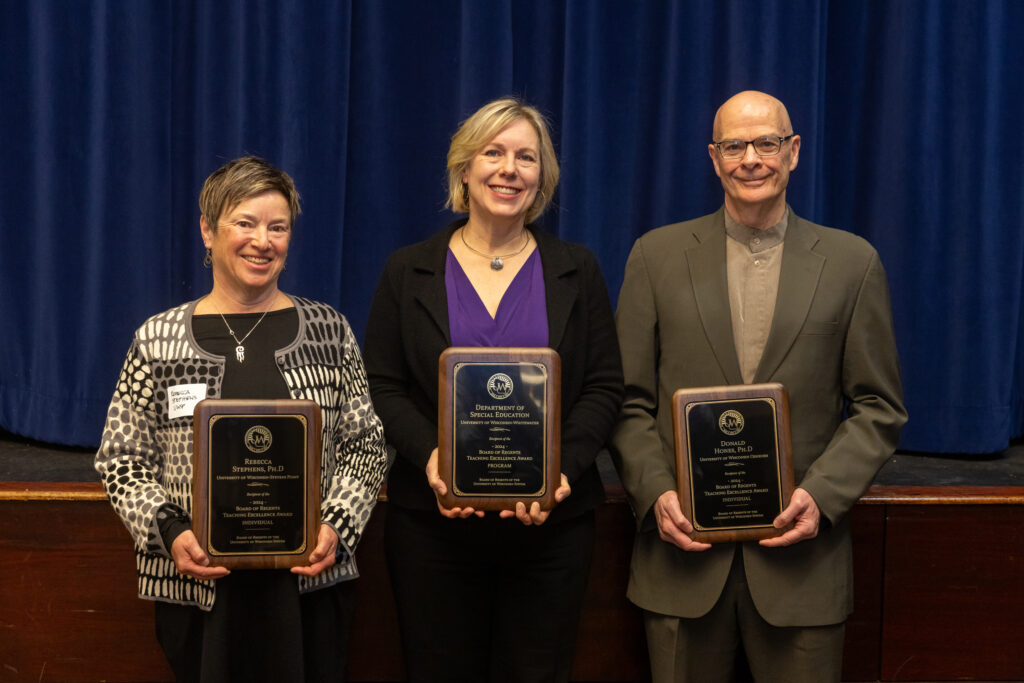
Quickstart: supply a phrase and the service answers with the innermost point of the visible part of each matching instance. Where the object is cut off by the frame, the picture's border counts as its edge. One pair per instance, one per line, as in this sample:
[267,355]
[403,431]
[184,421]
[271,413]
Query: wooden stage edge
[933,565]
[876,495]
[51,490]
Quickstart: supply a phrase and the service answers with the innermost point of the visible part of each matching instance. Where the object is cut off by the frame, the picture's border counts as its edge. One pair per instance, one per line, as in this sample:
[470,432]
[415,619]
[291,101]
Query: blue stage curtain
[115,111]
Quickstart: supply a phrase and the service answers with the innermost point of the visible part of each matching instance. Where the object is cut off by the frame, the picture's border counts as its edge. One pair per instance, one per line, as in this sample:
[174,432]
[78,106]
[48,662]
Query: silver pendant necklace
[496,260]
[240,349]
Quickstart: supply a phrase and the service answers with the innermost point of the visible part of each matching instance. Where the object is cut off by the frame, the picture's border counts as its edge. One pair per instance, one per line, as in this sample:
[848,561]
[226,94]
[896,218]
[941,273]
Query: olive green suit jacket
[831,345]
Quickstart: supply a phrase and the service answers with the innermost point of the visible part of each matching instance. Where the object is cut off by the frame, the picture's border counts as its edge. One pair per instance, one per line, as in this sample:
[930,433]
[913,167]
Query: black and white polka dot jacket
[145,457]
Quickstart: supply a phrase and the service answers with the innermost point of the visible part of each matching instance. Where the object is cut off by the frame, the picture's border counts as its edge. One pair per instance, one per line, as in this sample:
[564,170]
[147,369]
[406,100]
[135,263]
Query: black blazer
[408,330]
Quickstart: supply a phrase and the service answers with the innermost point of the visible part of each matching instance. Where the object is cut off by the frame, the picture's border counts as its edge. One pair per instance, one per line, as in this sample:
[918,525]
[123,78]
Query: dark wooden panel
[68,605]
[953,595]
[374,651]
[611,645]
[862,653]
[69,611]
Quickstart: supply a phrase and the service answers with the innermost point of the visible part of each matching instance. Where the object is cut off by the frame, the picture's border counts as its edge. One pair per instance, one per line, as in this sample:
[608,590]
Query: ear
[715,159]
[795,153]
[207,233]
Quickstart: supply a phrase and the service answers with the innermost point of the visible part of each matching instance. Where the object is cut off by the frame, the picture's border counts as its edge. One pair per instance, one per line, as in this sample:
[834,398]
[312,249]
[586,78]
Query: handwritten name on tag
[182,399]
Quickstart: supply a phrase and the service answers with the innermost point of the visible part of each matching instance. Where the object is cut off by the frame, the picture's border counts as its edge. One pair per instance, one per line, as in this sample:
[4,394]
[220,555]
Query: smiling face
[754,183]
[503,177]
[249,247]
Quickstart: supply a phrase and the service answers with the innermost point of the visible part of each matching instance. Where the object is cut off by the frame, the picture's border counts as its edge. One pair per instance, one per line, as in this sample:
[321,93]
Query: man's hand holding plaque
[734,466]
[673,526]
[499,424]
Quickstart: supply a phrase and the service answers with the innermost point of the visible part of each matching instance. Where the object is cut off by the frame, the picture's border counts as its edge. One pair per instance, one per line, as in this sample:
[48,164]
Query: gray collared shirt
[753,263]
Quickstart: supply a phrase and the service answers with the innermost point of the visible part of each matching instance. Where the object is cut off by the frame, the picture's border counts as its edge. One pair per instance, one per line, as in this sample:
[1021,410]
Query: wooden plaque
[734,462]
[499,426]
[256,481]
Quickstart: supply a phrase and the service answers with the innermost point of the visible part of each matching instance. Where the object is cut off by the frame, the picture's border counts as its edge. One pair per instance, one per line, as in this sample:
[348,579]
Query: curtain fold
[925,173]
[115,111]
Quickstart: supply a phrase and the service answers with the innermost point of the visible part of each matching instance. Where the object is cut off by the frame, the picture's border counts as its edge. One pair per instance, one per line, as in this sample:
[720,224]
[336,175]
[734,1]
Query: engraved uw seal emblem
[499,386]
[258,439]
[731,422]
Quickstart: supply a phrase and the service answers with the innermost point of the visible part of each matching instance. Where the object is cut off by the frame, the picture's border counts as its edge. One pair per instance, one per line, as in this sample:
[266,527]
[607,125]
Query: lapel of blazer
[428,279]
[560,290]
[708,278]
[798,280]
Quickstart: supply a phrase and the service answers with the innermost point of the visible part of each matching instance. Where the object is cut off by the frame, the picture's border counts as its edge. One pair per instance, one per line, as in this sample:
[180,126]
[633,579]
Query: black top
[257,376]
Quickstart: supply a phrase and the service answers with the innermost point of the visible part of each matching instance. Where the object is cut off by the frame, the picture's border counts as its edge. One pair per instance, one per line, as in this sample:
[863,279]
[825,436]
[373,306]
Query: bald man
[753,293]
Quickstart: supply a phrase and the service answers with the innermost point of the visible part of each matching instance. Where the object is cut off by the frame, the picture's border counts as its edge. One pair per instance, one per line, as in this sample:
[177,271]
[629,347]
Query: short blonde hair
[482,127]
[240,179]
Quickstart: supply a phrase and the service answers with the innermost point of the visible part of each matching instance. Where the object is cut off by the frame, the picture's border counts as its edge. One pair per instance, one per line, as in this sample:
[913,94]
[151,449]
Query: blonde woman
[492,597]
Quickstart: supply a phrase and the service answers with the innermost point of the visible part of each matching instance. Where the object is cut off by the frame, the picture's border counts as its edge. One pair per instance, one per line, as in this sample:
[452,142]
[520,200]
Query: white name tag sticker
[182,399]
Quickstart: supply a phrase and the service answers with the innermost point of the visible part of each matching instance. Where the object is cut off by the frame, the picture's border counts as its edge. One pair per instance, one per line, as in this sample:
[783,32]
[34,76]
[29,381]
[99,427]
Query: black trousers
[260,629]
[487,599]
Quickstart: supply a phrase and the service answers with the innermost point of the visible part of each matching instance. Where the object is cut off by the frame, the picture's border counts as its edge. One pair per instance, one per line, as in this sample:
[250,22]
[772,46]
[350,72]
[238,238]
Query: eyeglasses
[764,146]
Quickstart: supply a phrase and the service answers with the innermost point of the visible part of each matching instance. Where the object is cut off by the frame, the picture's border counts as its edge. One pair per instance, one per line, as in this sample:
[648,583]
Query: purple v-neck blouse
[522,315]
